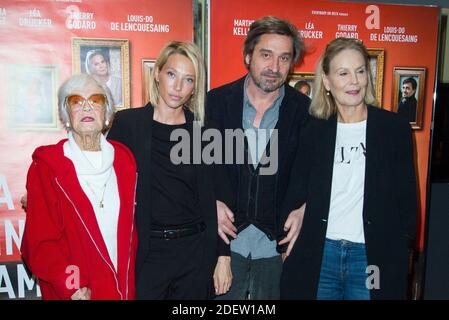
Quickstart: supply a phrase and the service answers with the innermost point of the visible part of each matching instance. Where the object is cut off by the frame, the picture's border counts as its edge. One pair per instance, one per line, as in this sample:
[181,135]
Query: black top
[256,198]
[174,189]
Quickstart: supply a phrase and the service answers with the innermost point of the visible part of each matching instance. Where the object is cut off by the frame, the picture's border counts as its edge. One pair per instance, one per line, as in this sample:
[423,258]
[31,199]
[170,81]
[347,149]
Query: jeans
[257,279]
[343,271]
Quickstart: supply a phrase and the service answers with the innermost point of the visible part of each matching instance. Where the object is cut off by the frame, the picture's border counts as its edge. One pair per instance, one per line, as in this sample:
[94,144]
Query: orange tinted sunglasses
[77,102]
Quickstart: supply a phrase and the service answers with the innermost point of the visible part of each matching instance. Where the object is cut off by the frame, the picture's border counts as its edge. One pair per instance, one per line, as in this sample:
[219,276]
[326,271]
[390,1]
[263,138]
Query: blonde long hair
[191,51]
[323,105]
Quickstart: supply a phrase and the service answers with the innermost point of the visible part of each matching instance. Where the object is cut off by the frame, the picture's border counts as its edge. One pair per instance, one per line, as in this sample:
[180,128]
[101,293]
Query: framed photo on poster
[108,61]
[147,68]
[408,94]
[377,60]
[303,82]
[31,97]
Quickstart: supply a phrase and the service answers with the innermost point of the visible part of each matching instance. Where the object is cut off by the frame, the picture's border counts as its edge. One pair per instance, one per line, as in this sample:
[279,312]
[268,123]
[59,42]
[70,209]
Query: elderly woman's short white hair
[77,84]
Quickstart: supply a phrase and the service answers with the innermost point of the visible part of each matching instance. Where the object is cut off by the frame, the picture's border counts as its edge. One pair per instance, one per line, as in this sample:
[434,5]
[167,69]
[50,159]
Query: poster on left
[43,44]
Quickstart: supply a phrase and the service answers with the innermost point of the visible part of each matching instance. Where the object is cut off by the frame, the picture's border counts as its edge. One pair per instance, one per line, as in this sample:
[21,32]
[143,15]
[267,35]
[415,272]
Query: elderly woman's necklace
[101,203]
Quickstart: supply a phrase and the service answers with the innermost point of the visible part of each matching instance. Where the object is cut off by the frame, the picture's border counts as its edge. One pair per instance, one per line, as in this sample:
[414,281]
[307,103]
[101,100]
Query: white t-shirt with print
[345,220]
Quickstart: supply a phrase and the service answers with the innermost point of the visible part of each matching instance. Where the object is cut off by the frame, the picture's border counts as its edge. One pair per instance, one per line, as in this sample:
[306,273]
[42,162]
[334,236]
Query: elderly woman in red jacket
[79,237]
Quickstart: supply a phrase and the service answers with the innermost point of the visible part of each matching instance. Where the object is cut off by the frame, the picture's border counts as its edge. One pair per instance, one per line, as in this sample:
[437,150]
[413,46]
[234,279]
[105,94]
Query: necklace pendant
[101,204]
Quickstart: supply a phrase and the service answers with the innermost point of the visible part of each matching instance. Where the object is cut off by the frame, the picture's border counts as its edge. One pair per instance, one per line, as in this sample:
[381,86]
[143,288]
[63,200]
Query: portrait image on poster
[408,94]
[303,82]
[147,68]
[377,59]
[107,60]
[31,97]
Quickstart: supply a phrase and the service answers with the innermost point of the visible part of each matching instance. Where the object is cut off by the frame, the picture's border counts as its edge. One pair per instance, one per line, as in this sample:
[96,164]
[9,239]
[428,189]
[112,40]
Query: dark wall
[440,146]
[436,282]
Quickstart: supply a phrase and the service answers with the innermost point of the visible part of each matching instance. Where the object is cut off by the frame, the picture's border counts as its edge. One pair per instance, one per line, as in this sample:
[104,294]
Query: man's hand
[225,219]
[222,275]
[293,226]
[81,294]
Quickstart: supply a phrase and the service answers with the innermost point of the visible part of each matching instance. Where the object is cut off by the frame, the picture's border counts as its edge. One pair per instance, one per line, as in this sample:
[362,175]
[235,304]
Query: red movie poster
[42,44]
[398,45]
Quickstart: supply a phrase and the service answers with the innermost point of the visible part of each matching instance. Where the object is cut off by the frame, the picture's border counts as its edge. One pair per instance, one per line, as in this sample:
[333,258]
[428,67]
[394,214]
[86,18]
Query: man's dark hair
[272,25]
[411,81]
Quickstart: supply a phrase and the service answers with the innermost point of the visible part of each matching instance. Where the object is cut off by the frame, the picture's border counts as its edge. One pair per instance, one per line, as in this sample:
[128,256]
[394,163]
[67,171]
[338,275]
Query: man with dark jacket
[270,114]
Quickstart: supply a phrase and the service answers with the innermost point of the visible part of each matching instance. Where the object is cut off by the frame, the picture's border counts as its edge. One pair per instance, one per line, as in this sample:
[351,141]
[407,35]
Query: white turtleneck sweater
[95,170]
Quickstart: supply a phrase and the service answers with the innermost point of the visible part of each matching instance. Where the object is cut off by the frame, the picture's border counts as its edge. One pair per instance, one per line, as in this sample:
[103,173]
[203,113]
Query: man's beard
[265,84]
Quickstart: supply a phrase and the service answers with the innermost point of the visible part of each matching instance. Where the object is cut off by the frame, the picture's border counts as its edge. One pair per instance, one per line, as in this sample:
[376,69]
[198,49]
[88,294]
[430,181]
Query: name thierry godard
[225,309]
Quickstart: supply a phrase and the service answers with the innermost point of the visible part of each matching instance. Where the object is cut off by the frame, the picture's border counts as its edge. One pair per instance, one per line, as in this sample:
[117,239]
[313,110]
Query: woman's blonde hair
[191,51]
[323,105]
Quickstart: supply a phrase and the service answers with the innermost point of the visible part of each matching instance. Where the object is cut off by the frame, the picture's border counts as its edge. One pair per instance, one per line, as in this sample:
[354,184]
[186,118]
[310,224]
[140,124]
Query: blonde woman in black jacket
[354,171]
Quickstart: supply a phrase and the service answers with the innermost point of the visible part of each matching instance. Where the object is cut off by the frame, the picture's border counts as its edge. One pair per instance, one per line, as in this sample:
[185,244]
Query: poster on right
[402,42]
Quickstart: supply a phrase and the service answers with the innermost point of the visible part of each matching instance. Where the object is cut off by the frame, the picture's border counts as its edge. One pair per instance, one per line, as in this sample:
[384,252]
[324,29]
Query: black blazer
[389,212]
[133,128]
[224,109]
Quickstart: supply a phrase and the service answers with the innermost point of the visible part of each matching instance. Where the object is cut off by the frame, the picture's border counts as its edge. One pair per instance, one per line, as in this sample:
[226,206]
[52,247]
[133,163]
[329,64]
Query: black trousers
[174,270]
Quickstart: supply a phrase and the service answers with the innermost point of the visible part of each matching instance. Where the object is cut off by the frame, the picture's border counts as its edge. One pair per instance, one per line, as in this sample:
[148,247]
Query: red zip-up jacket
[62,244]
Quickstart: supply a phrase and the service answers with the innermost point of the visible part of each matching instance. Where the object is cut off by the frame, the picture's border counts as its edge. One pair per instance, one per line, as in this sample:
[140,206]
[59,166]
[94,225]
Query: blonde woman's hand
[23,202]
[222,275]
[293,226]
[225,219]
